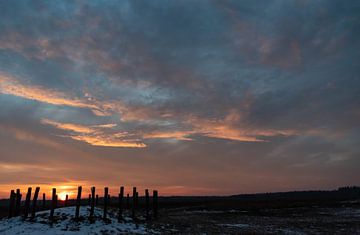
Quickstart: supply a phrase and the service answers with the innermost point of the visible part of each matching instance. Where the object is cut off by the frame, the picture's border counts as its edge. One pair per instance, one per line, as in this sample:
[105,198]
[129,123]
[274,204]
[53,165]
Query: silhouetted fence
[15,206]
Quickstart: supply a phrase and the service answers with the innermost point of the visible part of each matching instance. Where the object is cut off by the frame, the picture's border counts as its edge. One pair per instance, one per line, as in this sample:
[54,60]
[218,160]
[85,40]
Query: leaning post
[78,202]
[27,203]
[33,209]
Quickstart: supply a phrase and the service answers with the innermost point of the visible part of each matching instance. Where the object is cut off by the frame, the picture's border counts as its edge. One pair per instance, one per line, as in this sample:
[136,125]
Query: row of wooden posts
[15,203]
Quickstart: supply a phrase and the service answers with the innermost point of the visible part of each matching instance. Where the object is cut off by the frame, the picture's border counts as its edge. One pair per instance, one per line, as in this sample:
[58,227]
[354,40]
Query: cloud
[96,135]
[11,86]
[108,141]
[232,127]
[69,126]
[179,135]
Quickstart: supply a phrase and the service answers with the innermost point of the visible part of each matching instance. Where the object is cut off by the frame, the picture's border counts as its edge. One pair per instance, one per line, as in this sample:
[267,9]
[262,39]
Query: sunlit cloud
[108,141]
[97,135]
[231,128]
[179,135]
[68,126]
[11,86]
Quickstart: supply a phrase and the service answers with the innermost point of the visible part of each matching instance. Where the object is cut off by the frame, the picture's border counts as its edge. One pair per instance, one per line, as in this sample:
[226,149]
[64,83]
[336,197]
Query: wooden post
[134,203]
[155,203]
[92,203]
[43,201]
[78,202]
[27,203]
[33,209]
[137,201]
[17,202]
[128,201]
[106,198]
[109,200]
[97,200]
[121,195]
[11,203]
[66,200]
[147,203]
[53,204]
[89,199]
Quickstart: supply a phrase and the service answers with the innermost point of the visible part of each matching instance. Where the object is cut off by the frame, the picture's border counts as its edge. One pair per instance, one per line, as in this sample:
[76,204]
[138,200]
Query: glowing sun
[62,195]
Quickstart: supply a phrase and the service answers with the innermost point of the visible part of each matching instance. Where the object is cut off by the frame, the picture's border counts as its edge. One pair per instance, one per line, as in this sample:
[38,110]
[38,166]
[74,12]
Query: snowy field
[64,223]
[341,219]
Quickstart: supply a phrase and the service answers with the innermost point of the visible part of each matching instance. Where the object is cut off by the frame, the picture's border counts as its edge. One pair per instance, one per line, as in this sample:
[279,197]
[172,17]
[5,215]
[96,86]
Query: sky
[187,97]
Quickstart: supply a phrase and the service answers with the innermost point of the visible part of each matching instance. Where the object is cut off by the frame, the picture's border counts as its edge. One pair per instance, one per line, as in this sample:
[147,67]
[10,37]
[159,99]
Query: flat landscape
[313,212]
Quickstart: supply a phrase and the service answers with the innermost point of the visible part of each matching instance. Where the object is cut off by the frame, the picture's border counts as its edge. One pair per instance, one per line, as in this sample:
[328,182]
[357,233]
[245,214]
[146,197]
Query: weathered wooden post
[92,203]
[121,195]
[43,201]
[137,201]
[11,203]
[128,201]
[97,200]
[33,209]
[89,199]
[66,200]
[134,203]
[78,202]
[53,204]
[106,198]
[147,203]
[17,202]
[27,203]
[155,203]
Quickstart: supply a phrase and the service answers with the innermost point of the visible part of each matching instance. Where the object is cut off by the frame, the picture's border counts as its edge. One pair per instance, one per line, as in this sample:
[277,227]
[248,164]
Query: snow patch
[64,223]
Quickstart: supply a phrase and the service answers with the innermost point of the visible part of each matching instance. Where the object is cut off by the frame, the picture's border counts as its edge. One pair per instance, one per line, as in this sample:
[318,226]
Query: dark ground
[313,212]
[281,217]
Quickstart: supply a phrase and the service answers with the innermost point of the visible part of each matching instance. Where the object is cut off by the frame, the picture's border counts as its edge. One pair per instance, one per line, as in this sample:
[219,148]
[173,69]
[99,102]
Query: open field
[295,217]
[332,212]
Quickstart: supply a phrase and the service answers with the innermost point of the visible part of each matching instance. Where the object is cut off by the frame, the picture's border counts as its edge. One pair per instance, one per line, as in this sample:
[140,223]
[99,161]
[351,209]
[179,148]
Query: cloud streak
[11,86]
[96,135]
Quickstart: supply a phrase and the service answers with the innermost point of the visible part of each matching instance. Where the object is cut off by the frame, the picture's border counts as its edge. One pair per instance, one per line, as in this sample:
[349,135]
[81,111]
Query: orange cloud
[108,141]
[10,86]
[96,135]
[68,126]
[179,135]
[230,128]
